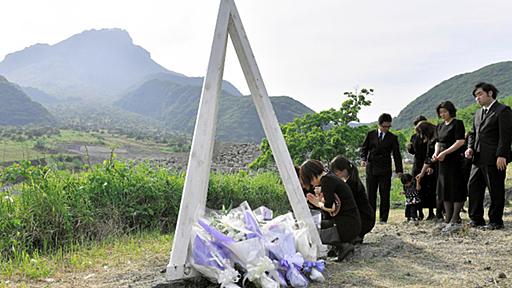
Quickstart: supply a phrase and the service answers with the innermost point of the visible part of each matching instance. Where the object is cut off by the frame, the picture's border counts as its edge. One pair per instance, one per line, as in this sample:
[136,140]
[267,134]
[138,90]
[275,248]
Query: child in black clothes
[412,199]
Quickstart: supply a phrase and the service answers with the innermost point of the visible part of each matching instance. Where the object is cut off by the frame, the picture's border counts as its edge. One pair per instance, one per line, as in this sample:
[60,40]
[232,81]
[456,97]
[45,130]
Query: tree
[323,135]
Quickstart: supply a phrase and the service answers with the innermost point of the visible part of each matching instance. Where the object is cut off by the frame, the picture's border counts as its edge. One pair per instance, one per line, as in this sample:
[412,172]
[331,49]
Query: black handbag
[329,235]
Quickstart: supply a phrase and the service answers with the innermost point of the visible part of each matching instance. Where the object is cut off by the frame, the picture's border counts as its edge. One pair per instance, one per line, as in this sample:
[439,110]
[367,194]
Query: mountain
[40,96]
[92,65]
[17,109]
[177,104]
[457,89]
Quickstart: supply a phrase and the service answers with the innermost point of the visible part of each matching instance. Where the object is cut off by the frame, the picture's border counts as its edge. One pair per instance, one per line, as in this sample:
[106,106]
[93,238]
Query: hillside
[458,90]
[94,64]
[176,105]
[17,109]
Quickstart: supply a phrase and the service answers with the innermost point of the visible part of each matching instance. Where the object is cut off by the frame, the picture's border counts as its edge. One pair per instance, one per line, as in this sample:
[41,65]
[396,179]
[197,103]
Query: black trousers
[483,176]
[383,184]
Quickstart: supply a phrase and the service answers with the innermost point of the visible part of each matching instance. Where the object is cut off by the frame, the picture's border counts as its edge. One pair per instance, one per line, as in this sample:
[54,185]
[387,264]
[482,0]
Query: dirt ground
[395,254]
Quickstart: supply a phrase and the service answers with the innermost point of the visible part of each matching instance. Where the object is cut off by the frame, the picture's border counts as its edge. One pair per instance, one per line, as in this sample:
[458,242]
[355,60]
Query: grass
[11,151]
[110,254]
[24,150]
[396,254]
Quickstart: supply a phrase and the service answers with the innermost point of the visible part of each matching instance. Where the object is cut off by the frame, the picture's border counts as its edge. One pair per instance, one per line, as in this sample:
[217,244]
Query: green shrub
[52,209]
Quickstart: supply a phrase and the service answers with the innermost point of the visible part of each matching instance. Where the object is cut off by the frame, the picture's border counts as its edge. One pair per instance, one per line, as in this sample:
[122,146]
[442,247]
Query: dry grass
[396,254]
[400,254]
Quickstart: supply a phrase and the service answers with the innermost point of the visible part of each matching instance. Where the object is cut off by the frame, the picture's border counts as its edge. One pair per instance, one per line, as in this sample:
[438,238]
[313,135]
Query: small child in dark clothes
[412,199]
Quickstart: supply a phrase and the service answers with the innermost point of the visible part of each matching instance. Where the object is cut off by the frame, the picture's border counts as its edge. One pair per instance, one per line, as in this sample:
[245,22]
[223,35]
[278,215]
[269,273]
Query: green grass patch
[108,254]
[56,209]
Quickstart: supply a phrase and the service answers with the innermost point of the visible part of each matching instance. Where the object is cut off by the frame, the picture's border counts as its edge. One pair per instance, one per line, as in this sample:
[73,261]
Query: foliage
[52,209]
[104,119]
[323,135]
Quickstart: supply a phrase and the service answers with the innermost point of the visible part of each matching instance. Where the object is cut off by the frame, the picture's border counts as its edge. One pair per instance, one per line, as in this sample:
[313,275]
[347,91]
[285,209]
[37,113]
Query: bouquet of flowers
[212,262]
[269,255]
[238,235]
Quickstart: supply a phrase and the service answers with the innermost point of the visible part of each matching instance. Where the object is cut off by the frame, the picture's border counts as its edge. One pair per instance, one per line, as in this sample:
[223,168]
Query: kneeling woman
[345,216]
[347,172]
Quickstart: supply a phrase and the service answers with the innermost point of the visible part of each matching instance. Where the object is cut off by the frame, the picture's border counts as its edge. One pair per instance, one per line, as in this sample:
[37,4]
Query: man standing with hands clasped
[489,147]
[376,153]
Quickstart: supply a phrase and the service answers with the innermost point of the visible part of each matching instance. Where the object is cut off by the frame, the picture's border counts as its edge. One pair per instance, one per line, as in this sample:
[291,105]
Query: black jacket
[491,136]
[378,153]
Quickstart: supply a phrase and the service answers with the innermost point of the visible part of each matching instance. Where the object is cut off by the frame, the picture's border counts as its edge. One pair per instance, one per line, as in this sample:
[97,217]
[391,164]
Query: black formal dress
[418,149]
[348,222]
[366,212]
[377,153]
[489,139]
[429,182]
[450,184]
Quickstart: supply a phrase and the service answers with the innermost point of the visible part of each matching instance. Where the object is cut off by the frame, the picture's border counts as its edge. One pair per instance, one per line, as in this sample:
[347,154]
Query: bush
[52,209]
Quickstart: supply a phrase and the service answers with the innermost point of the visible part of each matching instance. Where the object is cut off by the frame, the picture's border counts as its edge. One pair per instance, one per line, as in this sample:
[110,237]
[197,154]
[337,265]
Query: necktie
[381,136]
[484,111]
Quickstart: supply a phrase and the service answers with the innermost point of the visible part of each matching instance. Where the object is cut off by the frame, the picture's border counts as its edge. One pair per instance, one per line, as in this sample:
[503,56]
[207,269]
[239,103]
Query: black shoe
[494,226]
[430,217]
[358,240]
[333,252]
[344,251]
[476,224]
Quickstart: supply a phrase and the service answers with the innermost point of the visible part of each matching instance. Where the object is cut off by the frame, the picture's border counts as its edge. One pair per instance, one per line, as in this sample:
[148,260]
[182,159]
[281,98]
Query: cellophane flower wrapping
[210,261]
[268,252]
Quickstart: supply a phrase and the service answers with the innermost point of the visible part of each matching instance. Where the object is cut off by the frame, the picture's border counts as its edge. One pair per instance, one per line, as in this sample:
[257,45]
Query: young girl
[412,199]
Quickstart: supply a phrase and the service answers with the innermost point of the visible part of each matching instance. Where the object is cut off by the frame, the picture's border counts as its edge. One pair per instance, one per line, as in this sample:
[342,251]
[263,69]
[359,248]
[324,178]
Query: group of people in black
[449,165]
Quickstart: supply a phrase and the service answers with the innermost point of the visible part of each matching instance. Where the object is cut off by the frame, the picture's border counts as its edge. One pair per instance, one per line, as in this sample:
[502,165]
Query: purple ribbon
[318,265]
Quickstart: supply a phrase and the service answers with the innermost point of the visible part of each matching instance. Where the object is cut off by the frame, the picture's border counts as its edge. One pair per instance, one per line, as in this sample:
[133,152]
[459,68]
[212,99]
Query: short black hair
[418,119]
[406,178]
[448,105]
[309,169]
[385,117]
[487,88]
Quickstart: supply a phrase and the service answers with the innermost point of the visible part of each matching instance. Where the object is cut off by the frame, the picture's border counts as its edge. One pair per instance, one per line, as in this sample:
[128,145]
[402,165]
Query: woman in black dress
[448,152]
[347,172]
[427,177]
[418,147]
[345,214]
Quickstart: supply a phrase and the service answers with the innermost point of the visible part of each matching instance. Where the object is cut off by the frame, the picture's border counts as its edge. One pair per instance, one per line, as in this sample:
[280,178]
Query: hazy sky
[312,50]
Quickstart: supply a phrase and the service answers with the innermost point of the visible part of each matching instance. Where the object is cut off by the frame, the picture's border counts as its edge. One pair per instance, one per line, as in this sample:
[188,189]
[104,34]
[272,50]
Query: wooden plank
[195,190]
[271,125]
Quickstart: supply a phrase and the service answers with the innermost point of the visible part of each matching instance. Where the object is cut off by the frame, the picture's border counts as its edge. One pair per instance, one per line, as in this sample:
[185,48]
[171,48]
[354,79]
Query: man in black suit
[489,146]
[376,153]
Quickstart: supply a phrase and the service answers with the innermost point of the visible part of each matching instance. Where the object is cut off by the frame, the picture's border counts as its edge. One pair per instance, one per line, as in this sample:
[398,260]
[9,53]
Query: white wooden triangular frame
[195,189]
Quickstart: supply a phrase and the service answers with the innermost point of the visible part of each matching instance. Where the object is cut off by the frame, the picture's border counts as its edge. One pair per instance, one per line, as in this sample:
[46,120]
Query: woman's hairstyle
[448,106]
[406,178]
[426,130]
[309,169]
[487,88]
[418,119]
[340,163]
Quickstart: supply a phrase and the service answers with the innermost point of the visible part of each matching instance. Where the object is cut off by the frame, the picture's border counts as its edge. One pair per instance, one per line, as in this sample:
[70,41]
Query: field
[75,143]
[396,254]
